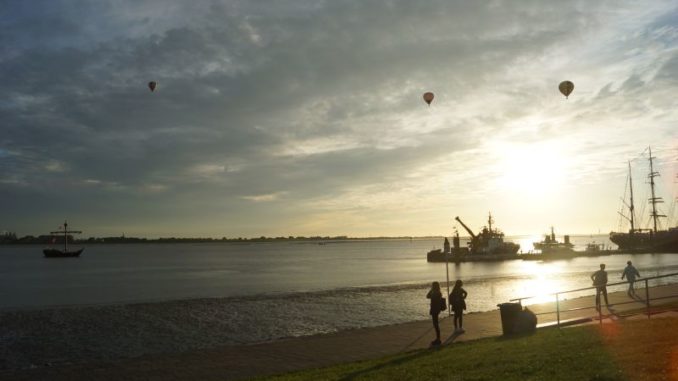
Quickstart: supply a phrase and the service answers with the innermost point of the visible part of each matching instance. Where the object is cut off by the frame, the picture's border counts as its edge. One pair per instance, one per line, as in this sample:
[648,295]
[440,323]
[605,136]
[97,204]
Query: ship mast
[66,231]
[631,207]
[654,200]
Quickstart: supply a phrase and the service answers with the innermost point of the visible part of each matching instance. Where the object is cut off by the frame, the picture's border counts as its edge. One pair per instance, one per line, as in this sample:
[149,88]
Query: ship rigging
[639,240]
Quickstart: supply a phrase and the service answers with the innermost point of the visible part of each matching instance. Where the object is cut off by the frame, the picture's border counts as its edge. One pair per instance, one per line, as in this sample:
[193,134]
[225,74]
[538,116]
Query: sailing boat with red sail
[55,253]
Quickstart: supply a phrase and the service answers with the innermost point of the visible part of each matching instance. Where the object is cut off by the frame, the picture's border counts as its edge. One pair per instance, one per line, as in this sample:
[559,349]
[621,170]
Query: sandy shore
[76,334]
[120,342]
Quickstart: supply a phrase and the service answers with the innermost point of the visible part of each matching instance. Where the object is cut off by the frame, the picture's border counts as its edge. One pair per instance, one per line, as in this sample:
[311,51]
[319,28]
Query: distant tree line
[11,238]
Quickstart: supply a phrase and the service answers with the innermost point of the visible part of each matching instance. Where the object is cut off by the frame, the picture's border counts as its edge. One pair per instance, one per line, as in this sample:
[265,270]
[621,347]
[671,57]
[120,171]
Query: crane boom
[465,227]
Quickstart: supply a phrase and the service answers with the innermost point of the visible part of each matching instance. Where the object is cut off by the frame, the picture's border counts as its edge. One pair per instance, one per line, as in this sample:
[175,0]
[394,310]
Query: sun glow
[527,243]
[528,168]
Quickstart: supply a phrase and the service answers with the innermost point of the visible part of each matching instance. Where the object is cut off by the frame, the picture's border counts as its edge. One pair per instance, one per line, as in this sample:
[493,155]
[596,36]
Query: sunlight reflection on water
[544,282]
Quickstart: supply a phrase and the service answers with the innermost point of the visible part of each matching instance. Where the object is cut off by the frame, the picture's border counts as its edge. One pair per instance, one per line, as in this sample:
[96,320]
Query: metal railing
[557,295]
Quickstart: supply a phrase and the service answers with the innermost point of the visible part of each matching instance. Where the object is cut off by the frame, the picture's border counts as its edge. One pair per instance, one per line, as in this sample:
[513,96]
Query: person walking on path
[630,273]
[458,303]
[436,306]
[599,279]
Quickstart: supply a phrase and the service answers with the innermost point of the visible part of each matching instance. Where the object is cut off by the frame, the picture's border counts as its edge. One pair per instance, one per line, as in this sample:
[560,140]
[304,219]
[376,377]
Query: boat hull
[456,255]
[54,253]
[472,258]
[565,255]
[464,255]
[556,250]
[663,241]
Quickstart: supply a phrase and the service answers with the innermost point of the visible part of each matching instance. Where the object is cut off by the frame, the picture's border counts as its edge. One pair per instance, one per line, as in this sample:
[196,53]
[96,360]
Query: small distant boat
[65,253]
[594,248]
[551,246]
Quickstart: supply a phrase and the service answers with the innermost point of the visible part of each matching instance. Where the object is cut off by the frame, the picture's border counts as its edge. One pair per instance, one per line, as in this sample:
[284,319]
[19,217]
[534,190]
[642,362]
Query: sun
[530,168]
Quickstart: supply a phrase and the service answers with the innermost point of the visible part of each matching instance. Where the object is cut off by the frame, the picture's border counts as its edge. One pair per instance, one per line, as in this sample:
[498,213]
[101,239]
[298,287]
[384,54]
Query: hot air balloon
[151,85]
[428,98]
[566,88]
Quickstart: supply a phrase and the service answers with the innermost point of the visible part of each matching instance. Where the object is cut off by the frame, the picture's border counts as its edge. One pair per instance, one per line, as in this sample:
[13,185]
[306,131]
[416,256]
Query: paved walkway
[245,361]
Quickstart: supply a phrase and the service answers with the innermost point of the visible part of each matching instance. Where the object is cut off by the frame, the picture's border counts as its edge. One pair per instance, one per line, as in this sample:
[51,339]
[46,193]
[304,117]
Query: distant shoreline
[47,239]
[11,239]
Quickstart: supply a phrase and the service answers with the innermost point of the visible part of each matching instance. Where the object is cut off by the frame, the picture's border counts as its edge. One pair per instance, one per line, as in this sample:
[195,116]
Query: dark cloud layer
[264,111]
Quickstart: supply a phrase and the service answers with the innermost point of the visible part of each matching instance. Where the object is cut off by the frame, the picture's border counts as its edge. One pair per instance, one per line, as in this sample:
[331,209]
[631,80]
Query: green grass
[630,350]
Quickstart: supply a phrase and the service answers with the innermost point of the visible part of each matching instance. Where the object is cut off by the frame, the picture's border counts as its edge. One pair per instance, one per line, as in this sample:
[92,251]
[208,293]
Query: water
[263,291]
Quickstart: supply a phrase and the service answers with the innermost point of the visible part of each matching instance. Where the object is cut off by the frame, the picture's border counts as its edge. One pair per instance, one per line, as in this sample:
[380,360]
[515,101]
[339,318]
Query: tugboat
[55,253]
[639,240]
[490,242]
[551,246]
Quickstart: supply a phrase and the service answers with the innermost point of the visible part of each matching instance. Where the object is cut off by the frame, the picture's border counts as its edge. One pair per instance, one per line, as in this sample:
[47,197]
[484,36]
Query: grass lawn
[627,350]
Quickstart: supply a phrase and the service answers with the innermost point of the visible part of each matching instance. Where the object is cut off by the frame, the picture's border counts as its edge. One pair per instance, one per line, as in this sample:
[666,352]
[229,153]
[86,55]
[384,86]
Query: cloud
[316,101]
[263,197]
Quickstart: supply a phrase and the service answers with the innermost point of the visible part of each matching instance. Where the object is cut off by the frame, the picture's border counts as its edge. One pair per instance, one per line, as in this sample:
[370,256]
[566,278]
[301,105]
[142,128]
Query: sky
[282,118]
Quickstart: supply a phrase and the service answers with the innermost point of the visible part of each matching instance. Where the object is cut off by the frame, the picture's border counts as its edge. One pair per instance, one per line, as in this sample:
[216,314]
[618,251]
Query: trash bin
[509,313]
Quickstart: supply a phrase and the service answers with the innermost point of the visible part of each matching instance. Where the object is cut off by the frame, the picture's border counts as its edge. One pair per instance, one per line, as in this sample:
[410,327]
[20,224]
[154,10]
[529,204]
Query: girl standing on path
[458,303]
[436,306]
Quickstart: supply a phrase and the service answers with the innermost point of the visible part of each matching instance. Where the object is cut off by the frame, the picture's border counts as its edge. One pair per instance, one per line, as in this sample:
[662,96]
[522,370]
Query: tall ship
[490,241]
[650,240]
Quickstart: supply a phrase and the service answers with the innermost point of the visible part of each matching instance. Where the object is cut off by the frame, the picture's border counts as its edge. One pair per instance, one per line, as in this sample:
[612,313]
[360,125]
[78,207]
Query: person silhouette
[458,303]
[436,297]
[630,273]
[599,279]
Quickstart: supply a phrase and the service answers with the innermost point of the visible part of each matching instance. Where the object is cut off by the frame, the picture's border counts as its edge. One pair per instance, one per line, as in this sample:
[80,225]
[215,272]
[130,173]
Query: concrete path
[245,361]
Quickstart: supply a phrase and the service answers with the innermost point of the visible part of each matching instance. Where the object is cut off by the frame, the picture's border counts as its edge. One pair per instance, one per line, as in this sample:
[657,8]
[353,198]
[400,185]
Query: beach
[125,342]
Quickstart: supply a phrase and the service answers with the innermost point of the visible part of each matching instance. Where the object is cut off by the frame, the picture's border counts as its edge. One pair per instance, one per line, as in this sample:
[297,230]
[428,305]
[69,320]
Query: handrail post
[600,307]
[447,276]
[647,298]
[558,310]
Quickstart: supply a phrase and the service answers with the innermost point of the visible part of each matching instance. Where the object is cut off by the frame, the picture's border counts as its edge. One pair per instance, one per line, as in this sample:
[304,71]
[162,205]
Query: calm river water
[125,273]
[227,293]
